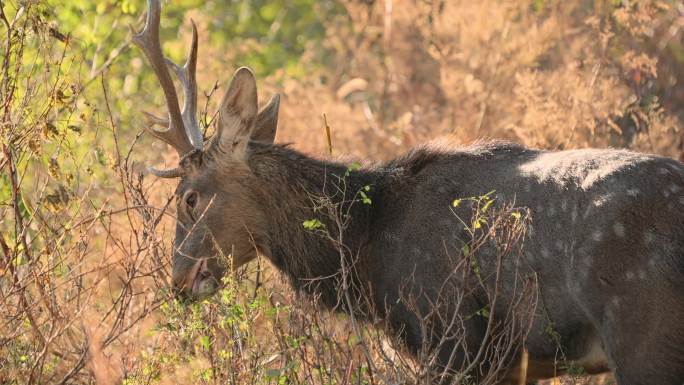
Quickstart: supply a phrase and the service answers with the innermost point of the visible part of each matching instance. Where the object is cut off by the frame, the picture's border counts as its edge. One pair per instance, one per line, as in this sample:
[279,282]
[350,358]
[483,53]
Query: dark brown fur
[586,290]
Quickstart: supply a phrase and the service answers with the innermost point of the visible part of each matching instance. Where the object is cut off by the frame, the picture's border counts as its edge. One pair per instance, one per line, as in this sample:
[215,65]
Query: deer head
[217,212]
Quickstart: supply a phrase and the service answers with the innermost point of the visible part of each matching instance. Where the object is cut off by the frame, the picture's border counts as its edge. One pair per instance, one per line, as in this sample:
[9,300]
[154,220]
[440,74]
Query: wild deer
[606,246]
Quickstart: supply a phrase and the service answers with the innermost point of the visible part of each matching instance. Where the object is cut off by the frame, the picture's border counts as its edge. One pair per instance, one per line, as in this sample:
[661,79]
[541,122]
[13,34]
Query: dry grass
[84,270]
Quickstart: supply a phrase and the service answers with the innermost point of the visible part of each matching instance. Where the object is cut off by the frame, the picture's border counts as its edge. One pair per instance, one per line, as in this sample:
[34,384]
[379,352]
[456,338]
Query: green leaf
[484,312]
[352,167]
[272,373]
[364,198]
[487,205]
[269,11]
[313,224]
[204,342]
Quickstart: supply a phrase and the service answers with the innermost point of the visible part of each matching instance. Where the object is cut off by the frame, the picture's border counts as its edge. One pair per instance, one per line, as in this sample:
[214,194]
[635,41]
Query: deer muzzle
[198,282]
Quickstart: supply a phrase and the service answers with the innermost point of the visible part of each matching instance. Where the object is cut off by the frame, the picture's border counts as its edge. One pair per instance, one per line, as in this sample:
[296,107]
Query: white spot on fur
[559,245]
[545,252]
[552,211]
[633,192]
[597,235]
[573,214]
[583,251]
[528,187]
[584,273]
[675,188]
[649,237]
[603,199]
[629,275]
[663,171]
[615,301]
[619,229]
[564,205]
[642,274]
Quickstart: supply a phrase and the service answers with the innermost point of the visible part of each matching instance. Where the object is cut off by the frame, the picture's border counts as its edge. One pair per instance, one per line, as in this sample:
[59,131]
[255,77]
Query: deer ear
[238,112]
[267,122]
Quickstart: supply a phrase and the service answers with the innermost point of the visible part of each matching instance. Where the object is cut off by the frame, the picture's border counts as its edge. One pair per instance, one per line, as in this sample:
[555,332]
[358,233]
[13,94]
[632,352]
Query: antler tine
[169,173]
[187,76]
[148,41]
[152,120]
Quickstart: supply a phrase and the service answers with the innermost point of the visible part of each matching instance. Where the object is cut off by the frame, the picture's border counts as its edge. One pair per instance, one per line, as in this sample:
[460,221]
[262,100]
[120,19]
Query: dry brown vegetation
[85,236]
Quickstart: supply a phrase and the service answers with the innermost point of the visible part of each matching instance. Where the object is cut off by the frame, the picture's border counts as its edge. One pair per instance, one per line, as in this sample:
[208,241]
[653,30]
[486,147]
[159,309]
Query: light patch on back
[579,167]
[597,235]
[619,229]
[633,192]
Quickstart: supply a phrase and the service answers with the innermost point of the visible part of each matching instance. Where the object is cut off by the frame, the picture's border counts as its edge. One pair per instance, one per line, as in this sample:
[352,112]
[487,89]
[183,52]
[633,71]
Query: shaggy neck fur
[295,188]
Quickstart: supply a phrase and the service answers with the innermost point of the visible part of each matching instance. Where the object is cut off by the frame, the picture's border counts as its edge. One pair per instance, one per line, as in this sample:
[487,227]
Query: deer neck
[319,214]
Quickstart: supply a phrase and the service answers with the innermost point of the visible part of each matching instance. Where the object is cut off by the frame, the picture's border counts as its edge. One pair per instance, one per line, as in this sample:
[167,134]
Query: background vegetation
[84,236]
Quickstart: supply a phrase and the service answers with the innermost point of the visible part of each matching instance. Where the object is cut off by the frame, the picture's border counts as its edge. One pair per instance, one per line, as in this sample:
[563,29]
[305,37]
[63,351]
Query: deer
[606,243]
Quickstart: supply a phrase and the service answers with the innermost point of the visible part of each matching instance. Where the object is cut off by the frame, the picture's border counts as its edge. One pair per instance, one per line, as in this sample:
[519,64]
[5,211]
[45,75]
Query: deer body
[606,244]
[605,247]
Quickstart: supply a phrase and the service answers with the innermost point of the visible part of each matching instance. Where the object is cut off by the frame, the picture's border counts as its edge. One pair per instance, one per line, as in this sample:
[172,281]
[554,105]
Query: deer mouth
[199,282]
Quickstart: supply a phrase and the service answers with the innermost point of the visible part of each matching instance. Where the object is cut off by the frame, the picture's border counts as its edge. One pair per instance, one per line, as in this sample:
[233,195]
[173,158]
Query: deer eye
[191,199]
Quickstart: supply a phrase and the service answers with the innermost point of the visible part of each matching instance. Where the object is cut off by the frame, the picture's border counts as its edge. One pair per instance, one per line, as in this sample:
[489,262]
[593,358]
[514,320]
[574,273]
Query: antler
[183,131]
